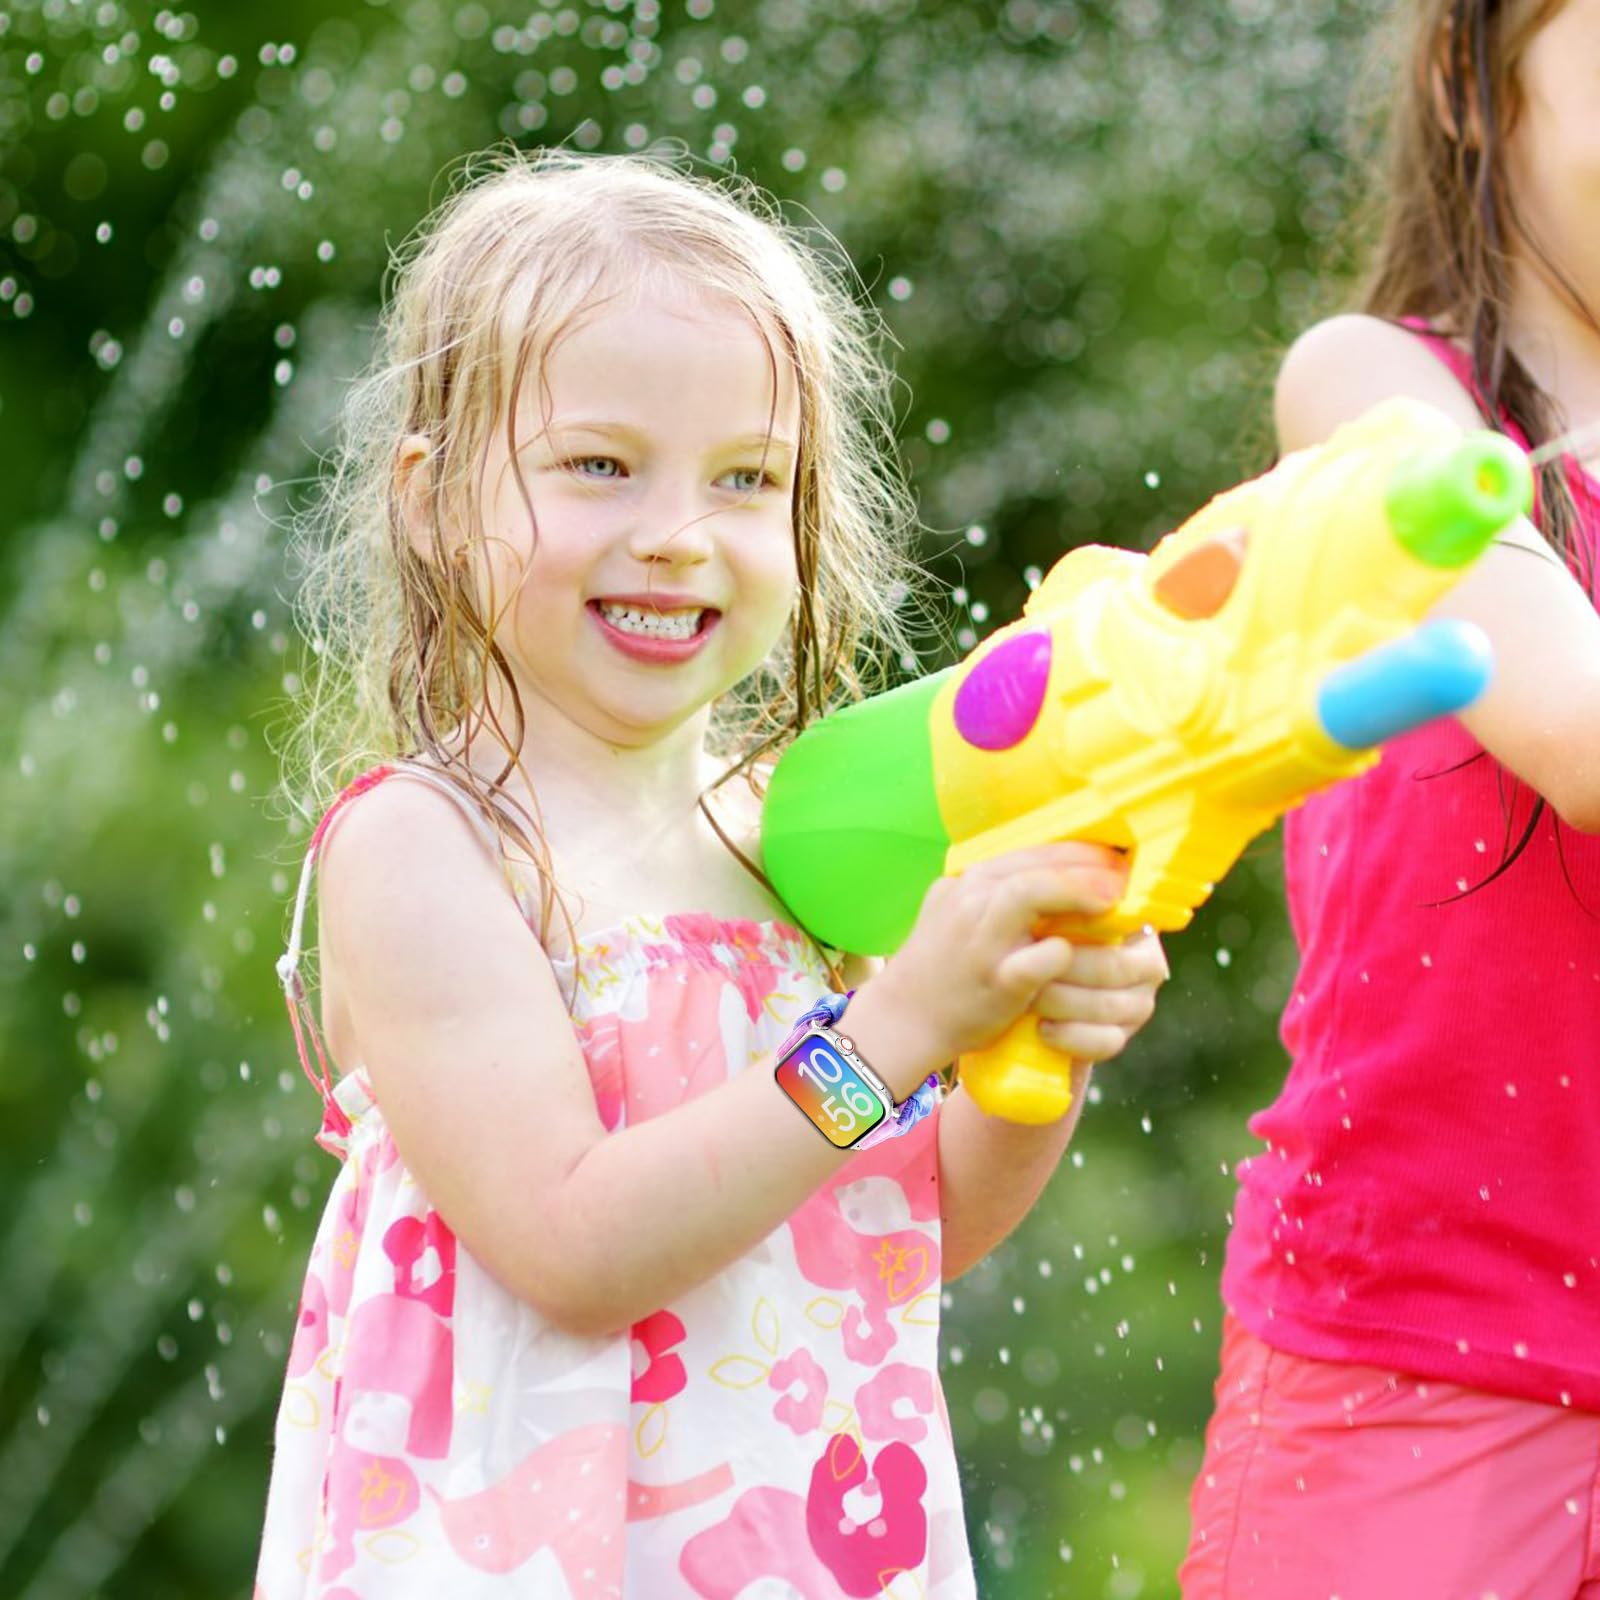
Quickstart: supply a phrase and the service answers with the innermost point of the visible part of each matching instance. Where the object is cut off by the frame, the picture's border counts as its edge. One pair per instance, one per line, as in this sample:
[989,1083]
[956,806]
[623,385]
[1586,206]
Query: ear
[413,490]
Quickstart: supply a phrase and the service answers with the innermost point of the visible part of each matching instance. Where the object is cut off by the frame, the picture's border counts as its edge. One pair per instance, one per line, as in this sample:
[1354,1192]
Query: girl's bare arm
[1541,714]
[454,1010]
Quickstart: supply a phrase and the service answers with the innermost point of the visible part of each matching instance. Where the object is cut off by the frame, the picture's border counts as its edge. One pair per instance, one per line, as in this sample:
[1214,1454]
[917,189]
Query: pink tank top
[1429,1197]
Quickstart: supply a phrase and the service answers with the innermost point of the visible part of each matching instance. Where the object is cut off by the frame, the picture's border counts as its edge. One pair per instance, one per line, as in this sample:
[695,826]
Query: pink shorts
[1323,1481]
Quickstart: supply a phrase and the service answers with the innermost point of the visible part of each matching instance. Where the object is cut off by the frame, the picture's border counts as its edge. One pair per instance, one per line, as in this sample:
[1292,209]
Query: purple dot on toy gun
[999,701]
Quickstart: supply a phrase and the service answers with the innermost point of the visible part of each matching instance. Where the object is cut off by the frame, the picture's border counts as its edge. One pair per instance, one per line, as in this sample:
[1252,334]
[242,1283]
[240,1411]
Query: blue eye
[747,480]
[596,466]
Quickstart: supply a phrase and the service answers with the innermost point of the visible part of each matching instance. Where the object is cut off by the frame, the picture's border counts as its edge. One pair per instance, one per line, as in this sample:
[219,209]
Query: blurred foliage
[1089,225]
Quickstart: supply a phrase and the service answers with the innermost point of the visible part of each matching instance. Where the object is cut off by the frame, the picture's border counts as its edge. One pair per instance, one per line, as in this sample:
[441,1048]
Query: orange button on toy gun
[1171,705]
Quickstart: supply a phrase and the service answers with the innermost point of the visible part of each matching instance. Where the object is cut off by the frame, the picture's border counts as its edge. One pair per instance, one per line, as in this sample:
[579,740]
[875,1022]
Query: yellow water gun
[1172,705]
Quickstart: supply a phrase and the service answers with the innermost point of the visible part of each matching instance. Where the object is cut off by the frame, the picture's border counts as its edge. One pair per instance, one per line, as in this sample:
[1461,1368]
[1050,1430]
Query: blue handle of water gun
[1441,668]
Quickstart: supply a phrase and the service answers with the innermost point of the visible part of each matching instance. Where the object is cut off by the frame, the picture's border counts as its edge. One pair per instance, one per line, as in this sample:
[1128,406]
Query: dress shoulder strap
[1458,363]
[336,1124]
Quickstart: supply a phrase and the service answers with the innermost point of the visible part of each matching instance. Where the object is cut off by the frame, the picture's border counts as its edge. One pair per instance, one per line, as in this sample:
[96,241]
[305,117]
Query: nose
[672,523]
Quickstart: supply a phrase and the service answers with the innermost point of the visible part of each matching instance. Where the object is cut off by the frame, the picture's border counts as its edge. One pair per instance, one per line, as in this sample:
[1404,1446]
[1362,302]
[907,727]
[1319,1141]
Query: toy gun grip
[1019,1077]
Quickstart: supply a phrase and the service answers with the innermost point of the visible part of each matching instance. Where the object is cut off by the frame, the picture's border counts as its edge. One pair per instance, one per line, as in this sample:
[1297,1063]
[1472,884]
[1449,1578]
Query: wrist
[896,1039]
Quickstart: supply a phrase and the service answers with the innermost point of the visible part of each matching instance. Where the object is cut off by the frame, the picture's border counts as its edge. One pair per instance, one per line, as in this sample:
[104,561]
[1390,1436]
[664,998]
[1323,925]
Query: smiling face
[658,450]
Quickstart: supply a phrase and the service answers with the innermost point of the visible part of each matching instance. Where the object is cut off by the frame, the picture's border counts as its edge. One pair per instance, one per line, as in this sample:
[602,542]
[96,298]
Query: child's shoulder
[411,886]
[733,802]
[400,810]
[404,834]
[1344,366]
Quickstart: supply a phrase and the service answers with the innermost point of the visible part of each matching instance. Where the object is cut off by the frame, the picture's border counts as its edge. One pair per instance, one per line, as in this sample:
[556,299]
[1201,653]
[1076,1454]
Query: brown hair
[404,653]
[1445,219]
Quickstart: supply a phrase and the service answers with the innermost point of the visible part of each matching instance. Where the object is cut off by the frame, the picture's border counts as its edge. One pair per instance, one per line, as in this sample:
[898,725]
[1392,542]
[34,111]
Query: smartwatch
[819,1070]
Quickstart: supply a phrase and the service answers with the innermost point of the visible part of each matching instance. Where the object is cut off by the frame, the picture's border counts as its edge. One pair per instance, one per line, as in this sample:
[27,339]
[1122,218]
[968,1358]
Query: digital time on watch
[819,1069]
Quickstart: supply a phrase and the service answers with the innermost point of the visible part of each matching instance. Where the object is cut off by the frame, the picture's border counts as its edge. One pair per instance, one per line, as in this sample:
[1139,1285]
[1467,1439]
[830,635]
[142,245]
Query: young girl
[1409,1401]
[594,1310]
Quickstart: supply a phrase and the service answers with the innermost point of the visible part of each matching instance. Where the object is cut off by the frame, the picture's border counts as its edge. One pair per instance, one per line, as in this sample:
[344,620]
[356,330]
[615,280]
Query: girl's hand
[972,964]
[1105,996]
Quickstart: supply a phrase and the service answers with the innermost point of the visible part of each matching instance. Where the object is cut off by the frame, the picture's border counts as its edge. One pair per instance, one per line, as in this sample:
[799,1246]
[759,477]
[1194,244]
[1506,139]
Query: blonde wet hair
[403,651]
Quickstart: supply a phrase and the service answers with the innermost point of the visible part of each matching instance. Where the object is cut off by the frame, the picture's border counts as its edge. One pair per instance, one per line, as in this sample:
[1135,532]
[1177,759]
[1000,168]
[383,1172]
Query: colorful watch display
[833,1086]
[810,1082]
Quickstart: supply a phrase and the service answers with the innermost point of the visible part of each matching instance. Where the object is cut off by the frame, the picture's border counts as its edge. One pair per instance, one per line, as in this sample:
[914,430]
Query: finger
[1137,962]
[1147,942]
[1116,1008]
[1025,972]
[1084,1041]
[1024,898]
[1060,853]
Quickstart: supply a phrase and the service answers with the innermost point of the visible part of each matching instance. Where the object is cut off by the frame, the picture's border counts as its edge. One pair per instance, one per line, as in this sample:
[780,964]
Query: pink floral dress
[778,1432]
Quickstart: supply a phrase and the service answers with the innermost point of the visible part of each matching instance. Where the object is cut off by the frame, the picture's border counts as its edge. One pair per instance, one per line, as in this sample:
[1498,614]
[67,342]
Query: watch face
[830,1091]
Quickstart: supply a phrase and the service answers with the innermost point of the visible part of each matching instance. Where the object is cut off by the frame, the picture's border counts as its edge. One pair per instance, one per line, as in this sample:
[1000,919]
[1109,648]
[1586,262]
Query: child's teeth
[653,624]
